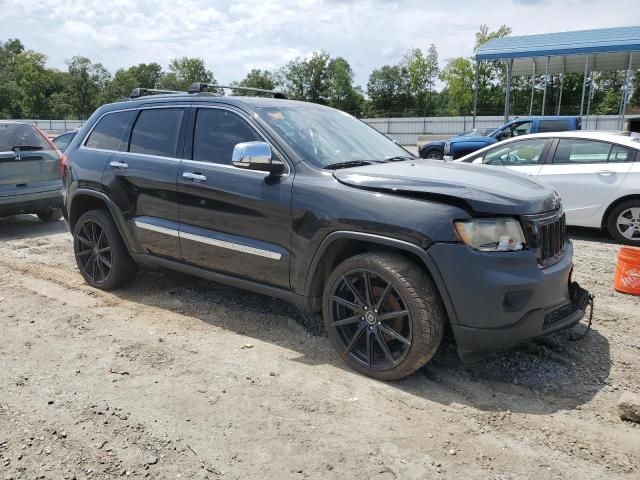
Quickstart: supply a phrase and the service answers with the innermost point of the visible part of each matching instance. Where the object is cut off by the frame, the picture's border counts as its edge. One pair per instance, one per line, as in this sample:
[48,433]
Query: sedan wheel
[628,224]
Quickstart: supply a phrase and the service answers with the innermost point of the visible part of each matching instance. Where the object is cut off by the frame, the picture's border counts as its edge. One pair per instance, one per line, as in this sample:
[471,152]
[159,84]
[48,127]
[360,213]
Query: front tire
[432,154]
[52,215]
[623,222]
[101,255]
[383,314]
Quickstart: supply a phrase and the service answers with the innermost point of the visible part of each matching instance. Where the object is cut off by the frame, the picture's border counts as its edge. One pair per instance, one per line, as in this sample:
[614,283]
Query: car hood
[472,138]
[480,188]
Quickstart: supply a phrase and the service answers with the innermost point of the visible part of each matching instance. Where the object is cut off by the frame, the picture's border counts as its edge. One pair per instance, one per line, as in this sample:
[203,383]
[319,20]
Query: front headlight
[447,147]
[491,234]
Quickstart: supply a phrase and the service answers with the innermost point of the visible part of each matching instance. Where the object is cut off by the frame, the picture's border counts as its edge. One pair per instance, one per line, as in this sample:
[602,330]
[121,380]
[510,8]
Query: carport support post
[533,85]
[625,92]
[475,94]
[546,80]
[507,90]
[584,84]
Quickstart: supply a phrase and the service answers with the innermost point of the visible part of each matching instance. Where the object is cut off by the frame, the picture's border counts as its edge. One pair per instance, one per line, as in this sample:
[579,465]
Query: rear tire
[101,255]
[52,215]
[623,222]
[383,314]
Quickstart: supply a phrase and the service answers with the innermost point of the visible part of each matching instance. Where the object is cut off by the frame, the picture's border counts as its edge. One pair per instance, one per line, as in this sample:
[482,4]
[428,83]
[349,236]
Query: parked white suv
[596,174]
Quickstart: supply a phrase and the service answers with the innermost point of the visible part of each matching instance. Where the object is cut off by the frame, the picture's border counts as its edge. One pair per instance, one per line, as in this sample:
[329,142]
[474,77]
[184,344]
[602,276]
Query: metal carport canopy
[608,49]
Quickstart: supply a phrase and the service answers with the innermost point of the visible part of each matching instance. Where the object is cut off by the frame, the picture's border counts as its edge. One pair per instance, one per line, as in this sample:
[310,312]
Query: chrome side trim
[209,241]
[156,228]
[231,246]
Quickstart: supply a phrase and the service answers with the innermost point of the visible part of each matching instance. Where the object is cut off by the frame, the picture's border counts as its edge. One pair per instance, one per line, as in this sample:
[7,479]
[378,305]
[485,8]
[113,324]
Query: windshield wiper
[25,148]
[350,163]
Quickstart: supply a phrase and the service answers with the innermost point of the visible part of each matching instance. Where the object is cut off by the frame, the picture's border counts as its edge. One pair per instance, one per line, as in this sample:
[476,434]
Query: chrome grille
[547,235]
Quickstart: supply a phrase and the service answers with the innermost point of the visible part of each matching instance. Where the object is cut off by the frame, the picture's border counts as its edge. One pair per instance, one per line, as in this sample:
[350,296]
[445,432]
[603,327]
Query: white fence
[407,130]
[404,130]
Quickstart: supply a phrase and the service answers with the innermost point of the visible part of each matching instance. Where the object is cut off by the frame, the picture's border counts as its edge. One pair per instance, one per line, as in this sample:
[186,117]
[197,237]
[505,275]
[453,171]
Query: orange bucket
[627,276]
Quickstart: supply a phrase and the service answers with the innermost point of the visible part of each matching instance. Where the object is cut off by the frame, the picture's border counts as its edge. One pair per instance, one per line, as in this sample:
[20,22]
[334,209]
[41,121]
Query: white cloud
[235,37]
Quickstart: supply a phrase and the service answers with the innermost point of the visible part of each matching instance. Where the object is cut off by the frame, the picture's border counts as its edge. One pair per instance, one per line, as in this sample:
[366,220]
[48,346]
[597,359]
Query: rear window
[111,132]
[21,135]
[156,132]
[553,126]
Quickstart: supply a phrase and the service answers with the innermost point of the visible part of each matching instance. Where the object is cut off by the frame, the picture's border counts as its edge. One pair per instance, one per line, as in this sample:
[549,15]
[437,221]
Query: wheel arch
[341,245]
[614,204]
[84,200]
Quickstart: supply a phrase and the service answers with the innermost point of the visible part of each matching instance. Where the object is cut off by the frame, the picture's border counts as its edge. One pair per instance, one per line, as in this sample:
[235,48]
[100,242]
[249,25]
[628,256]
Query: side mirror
[256,156]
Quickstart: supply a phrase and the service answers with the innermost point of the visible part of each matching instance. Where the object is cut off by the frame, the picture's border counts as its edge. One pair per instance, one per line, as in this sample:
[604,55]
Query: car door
[586,173]
[142,178]
[524,156]
[28,162]
[234,221]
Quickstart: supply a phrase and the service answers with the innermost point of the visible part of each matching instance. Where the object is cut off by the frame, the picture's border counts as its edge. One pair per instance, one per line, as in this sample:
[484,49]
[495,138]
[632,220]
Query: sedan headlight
[491,234]
[447,147]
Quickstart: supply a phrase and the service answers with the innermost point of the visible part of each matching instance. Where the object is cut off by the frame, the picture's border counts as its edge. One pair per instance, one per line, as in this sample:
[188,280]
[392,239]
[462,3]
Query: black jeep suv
[306,203]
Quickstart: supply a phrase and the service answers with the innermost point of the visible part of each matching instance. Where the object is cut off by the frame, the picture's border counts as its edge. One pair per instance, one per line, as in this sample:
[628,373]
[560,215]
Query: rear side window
[553,126]
[111,132]
[21,135]
[620,154]
[217,132]
[581,151]
[156,132]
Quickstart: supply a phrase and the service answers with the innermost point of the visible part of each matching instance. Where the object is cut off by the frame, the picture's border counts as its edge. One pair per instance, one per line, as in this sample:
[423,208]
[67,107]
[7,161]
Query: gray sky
[234,37]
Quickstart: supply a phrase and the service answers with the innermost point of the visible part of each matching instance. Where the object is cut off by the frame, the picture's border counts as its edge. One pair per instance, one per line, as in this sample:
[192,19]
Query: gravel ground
[176,377]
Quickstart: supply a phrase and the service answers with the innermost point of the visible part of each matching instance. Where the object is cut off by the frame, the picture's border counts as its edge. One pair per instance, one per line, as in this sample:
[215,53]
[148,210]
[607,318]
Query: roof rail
[198,87]
[140,92]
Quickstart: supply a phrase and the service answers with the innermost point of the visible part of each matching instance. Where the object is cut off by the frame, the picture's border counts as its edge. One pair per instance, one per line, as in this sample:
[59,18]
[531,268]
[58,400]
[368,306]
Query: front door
[142,178]
[233,221]
[586,174]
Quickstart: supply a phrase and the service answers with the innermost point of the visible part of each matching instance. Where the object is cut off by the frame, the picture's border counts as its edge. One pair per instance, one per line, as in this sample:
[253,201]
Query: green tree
[491,75]
[342,93]
[422,71]
[184,71]
[146,75]
[458,76]
[256,78]
[388,89]
[9,88]
[86,82]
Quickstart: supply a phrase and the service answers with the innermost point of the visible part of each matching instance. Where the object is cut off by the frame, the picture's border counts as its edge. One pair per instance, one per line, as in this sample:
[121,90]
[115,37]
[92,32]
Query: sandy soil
[176,377]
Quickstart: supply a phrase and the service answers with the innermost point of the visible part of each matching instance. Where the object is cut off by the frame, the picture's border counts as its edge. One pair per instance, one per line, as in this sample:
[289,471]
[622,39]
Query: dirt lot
[180,378]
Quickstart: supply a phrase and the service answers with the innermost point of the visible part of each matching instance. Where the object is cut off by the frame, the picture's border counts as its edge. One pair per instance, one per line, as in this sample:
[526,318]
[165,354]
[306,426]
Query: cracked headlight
[491,234]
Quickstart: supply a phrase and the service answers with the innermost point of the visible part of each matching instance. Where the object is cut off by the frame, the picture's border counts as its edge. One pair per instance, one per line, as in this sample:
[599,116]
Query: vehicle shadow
[25,226]
[540,377]
[590,234]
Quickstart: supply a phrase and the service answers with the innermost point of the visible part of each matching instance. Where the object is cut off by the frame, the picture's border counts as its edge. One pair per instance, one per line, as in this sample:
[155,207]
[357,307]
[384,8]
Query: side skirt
[309,304]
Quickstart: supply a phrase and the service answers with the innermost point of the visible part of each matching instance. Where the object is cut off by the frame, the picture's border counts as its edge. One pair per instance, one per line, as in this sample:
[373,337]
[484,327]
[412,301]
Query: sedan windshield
[322,136]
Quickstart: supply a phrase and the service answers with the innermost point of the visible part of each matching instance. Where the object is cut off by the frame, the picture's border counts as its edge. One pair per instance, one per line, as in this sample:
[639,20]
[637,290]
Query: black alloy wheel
[93,252]
[101,255]
[371,318]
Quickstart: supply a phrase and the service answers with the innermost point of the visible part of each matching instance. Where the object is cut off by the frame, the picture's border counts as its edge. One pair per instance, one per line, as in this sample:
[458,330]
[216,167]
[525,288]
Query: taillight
[63,164]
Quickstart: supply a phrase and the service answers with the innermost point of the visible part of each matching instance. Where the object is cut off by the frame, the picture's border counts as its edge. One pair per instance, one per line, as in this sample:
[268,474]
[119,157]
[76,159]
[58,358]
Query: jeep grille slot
[547,235]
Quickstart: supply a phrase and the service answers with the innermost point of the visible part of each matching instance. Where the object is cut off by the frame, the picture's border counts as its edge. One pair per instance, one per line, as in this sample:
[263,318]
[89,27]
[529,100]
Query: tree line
[418,85]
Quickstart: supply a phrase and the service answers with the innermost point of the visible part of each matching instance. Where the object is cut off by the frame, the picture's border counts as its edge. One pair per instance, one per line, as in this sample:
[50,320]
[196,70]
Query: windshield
[322,136]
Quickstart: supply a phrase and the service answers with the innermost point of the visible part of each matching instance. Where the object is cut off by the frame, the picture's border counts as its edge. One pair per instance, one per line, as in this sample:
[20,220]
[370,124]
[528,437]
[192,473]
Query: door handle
[194,176]
[605,173]
[117,164]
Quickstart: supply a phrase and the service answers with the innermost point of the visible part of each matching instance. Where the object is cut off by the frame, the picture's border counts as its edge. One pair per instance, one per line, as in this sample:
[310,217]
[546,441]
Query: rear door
[586,173]
[28,162]
[142,178]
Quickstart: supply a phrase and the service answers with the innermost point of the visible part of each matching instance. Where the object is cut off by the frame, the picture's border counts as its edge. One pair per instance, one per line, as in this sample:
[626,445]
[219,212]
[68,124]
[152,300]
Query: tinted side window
[216,132]
[620,154]
[156,132]
[571,150]
[522,152]
[553,126]
[111,132]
